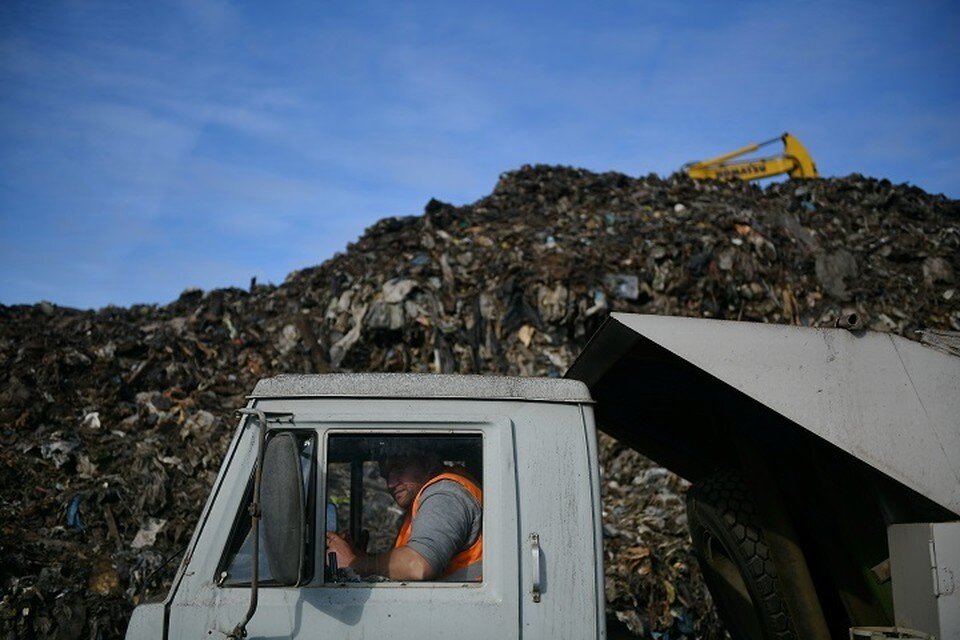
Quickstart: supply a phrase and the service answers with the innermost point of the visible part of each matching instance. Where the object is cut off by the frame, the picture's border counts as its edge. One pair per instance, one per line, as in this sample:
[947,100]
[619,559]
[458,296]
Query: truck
[825,496]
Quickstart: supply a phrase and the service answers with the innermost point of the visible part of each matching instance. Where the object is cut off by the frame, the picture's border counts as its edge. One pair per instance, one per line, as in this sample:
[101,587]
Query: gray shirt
[448,521]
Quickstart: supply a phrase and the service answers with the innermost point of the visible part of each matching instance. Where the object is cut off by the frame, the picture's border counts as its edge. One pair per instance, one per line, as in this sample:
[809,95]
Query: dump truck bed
[663,384]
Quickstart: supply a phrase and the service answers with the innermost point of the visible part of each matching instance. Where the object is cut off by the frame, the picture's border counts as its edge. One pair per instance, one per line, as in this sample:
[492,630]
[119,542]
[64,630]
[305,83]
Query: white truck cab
[531,446]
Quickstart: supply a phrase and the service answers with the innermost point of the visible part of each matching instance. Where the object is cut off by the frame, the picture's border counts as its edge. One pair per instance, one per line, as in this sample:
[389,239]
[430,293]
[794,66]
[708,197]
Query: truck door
[349,495]
[561,572]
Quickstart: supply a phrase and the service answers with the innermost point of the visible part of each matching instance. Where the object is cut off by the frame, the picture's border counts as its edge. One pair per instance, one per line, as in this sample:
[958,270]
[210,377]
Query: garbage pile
[114,421]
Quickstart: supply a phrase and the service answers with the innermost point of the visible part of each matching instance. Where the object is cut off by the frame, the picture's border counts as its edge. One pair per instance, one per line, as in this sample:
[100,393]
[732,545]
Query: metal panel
[416,385]
[409,610]
[558,496]
[890,402]
[593,455]
[925,571]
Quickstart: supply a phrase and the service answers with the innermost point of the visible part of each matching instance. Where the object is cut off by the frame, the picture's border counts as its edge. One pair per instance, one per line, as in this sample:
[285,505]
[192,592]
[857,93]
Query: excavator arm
[795,161]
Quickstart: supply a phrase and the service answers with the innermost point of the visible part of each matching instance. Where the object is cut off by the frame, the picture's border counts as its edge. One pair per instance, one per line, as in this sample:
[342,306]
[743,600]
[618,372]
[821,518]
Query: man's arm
[397,564]
[447,522]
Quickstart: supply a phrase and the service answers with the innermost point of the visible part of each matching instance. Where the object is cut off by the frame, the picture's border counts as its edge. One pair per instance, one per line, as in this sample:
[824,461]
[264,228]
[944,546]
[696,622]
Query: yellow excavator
[795,160]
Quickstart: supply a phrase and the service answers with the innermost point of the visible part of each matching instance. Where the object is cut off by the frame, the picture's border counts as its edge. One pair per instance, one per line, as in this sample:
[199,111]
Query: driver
[440,538]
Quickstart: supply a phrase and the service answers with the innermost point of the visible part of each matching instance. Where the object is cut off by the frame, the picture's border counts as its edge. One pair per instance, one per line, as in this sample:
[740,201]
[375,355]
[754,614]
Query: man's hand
[347,555]
[398,564]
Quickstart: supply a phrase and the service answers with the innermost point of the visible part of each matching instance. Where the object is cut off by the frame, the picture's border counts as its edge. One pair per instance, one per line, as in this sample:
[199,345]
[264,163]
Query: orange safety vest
[472,555]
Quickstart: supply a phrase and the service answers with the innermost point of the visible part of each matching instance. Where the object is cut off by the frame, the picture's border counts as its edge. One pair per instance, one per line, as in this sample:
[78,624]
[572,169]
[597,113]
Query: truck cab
[825,497]
[529,444]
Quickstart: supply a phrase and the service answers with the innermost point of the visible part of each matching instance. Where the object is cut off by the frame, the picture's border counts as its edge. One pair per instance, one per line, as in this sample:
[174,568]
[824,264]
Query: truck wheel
[735,560]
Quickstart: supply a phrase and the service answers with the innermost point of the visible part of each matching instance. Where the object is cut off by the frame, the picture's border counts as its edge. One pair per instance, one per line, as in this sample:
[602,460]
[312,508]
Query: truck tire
[735,560]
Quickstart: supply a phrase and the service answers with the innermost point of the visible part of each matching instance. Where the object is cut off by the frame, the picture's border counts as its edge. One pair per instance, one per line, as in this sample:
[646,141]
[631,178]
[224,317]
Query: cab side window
[236,566]
[394,500]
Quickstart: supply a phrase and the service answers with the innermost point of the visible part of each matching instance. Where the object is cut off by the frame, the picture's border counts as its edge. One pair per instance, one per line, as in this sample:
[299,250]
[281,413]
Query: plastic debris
[147,535]
[91,420]
[622,285]
[74,520]
[59,451]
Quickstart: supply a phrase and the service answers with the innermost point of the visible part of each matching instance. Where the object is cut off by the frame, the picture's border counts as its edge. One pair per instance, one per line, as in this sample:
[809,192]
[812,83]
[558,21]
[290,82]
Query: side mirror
[283,509]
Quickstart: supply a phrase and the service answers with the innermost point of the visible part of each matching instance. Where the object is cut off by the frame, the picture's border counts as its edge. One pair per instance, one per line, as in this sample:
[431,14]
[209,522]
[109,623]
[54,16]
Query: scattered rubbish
[937,269]
[59,451]
[91,420]
[104,580]
[622,285]
[73,513]
[125,413]
[147,535]
[834,270]
[946,341]
[396,291]
[526,334]
[850,321]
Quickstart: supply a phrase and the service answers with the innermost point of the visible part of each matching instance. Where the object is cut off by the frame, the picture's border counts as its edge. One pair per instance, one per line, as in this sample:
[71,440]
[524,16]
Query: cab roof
[421,385]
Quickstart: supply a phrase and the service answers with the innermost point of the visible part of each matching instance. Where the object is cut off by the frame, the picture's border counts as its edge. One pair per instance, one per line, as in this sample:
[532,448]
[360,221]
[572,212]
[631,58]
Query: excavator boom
[795,161]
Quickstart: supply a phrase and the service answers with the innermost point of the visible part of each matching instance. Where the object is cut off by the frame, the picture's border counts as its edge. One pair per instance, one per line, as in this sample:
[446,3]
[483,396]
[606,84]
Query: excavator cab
[794,161]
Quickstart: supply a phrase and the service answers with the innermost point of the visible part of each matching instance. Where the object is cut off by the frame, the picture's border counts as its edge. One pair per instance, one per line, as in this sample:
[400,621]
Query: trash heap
[114,421]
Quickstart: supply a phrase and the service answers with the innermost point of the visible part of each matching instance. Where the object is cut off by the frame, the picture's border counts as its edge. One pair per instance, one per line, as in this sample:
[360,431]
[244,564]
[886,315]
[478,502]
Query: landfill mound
[115,421]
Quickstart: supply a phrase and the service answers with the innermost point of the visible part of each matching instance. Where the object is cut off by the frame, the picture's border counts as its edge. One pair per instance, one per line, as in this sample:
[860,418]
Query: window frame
[398,429]
[242,516]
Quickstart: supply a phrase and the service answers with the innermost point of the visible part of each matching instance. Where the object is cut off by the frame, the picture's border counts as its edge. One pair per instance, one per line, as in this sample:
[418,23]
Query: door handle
[535,550]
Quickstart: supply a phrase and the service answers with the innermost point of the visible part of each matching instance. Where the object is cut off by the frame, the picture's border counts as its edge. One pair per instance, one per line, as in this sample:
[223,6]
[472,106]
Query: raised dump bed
[815,441]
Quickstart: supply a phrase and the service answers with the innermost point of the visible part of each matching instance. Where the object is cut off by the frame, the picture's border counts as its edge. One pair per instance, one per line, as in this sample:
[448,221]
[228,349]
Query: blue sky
[150,147]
